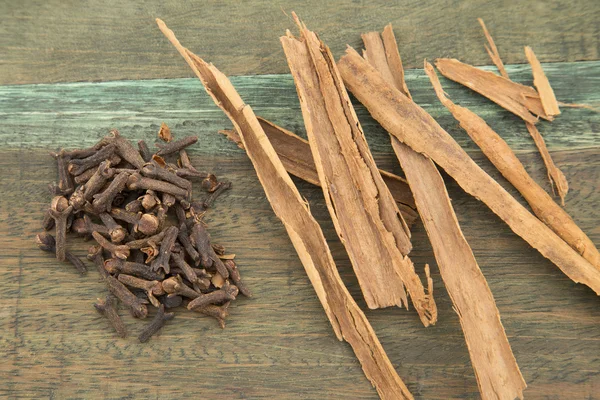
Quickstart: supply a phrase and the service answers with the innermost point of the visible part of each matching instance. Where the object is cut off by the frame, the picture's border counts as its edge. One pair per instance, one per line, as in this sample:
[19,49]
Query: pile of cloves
[121,197]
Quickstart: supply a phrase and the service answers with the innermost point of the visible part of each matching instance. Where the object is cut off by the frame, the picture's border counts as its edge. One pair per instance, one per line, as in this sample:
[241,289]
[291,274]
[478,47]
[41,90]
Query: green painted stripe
[77,114]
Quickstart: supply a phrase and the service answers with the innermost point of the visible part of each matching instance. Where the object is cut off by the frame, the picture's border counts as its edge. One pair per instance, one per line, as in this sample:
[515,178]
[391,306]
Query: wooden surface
[280,344]
[58,41]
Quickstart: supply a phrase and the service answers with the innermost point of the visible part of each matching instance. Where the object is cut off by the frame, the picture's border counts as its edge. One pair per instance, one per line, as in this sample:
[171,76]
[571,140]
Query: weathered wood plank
[57,41]
[280,343]
[77,114]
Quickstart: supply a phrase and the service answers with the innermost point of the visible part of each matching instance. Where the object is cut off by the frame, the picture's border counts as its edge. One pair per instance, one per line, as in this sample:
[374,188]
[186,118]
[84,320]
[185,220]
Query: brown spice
[108,308]
[521,100]
[348,321]
[495,367]
[500,154]
[540,81]
[157,323]
[362,208]
[295,154]
[413,126]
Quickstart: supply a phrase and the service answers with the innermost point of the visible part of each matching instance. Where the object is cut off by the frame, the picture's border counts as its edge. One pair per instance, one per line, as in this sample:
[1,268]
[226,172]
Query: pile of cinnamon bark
[372,211]
[122,197]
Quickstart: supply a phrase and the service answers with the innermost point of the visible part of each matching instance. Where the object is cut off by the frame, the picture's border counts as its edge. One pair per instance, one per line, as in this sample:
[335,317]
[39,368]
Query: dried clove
[137,181]
[108,308]
[117,266]
[116,232]
[175,286]
[216,192]
[171,301]
[148,224]
[144,150]
[141,243]
[48,221]
[84,226]
[185,241]
[60,210]
[188,271]
[217,312]
[152,288]
[103,201]
[234,275]
[227,293]
[149,200]
[162,261]
[65,181]
[47,243]
[168,200]
[134,206]
[101,175]
[136,307]
[151,170]
[210,183]
[158,322]
[124,148]
[175,146]
[85,176]
[79,166]
[119,251]
[95,255]
[208,257]
[77,199]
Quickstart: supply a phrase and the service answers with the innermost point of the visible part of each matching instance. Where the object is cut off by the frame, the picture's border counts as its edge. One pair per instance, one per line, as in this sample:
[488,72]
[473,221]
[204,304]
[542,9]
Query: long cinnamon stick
[521,100]
[496,369]
[348,321]
[501,155]
[295,155]
[413,126]
[364,213]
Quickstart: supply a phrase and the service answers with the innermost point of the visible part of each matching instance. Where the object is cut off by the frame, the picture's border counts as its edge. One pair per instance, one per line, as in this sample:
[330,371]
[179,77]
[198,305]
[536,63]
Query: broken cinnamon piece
[555,175]
[297,159]
[575,105]
[495,367]
[415,127]
[394,61]
[550,107]
[348,321]
[492,50]
[521,100]
[540,81]
[501,155]
[363,211]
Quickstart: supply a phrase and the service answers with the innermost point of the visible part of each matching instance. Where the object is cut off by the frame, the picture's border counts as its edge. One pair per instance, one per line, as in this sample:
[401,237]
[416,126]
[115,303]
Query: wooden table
[279,344]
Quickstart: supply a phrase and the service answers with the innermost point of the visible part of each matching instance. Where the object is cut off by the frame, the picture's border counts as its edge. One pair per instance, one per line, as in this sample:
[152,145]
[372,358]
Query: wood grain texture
[280,344]
[58,41]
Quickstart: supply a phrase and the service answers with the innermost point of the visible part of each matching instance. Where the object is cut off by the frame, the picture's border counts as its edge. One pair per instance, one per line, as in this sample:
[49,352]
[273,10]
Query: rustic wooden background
[279,344]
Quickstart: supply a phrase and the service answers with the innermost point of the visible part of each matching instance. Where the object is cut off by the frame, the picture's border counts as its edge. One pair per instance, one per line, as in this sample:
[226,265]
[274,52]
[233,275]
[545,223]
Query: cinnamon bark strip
[413,126]
[500,154]
[348,321]
[521,100]
[363,211]
[550,107]
[294,152]
[492,50]
[540,81]
[555,175]
[496,369]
